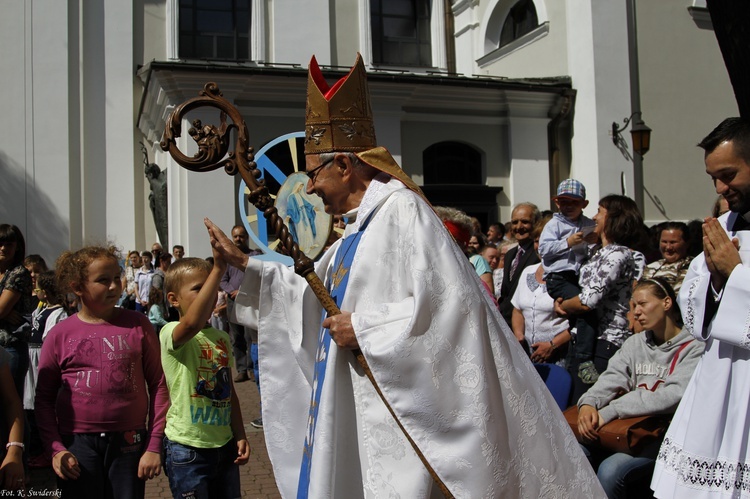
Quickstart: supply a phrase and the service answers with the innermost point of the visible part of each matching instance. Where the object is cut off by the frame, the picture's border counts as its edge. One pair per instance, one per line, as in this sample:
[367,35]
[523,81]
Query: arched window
[521,19]
[452,163]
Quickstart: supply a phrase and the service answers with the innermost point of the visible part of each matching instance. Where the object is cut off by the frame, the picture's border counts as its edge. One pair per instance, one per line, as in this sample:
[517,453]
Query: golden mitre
[339,119]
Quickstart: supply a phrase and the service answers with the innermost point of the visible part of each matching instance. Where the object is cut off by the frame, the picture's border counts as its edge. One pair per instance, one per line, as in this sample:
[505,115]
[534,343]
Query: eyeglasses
[313,174]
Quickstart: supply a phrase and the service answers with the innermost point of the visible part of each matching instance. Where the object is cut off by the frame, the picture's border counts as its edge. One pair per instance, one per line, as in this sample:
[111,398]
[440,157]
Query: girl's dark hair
[624,223]
[47,282]
[35,260]
[155,296]
[12,234]
[72,266]
[660,288]
[481,239]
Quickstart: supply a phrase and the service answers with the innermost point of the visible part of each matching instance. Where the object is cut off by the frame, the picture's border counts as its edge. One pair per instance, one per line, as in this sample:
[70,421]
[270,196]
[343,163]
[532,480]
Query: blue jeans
[202,473]
[109,465]
[19,364]
[622,475]
[256,364]
[619,470]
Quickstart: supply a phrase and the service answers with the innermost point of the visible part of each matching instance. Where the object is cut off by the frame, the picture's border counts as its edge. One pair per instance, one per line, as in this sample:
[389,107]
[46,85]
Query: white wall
[598,64]
[685,93]
[34,140]
[300,29]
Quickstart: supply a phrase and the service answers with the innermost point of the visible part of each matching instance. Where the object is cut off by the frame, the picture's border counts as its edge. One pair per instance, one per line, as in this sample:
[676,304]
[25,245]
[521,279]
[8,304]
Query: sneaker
[588,373]
[241,377]
[257,423]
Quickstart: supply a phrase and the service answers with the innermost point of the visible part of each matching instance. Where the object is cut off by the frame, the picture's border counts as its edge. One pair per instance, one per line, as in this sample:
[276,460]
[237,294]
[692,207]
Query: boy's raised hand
[220,243]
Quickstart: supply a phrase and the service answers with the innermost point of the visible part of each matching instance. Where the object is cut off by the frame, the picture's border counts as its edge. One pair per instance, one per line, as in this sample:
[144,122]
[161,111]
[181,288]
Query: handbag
[627,435]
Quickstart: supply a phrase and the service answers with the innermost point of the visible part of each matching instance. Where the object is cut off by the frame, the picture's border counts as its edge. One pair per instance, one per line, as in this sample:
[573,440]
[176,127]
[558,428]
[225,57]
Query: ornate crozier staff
[213,145]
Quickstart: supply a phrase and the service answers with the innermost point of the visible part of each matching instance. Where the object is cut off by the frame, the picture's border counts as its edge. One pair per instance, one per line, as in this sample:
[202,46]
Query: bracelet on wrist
[551,344]
[14,444]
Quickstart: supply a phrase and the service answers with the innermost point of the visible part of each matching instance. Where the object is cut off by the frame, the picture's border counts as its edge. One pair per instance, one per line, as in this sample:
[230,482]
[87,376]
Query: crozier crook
[213,153]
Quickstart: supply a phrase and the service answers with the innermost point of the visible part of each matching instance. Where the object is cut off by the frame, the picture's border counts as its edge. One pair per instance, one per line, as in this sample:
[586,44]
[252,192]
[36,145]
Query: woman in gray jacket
[647,376]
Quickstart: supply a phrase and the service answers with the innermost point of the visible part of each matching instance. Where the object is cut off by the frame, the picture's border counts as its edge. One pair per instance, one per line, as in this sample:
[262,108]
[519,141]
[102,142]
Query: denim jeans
[622,475]
[109,465]
[256,364]
[202,473]
[619,470]
[19,364]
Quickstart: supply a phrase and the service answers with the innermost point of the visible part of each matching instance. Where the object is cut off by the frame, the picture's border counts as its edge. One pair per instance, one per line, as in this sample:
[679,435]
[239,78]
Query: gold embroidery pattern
[339,275]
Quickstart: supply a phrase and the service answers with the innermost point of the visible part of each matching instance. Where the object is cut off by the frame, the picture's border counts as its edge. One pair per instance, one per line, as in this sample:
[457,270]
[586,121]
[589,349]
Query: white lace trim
[690,312]
[698,472]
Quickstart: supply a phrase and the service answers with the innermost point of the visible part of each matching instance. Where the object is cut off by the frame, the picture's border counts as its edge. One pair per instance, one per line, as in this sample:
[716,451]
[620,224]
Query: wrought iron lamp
[640,133]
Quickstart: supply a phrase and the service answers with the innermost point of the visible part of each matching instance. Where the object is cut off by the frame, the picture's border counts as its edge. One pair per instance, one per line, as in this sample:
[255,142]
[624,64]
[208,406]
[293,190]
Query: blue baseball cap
[571,188]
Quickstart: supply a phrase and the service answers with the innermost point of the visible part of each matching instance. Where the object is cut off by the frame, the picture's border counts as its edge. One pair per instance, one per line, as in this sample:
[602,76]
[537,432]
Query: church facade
[485,103]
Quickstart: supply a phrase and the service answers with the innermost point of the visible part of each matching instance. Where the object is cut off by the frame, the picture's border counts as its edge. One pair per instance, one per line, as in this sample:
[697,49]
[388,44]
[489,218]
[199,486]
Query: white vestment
[706,451]
[458,381]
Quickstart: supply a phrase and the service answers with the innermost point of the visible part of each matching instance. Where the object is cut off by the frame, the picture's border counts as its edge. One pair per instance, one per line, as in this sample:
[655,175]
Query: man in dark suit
[523,219]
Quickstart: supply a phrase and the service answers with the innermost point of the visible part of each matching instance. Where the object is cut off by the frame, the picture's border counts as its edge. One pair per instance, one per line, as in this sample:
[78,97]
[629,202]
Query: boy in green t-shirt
[204,436]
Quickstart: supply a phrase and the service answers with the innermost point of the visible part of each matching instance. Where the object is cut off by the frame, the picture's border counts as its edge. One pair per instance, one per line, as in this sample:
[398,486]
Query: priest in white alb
[450,370]
[706,451]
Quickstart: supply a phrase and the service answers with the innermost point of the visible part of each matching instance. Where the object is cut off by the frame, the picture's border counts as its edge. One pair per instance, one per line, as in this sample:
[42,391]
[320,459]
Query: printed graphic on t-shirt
[105,365]
[213,372]
[213,382]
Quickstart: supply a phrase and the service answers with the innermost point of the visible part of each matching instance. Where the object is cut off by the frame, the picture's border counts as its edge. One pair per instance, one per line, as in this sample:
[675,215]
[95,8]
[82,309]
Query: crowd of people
[97,382]
[114,367]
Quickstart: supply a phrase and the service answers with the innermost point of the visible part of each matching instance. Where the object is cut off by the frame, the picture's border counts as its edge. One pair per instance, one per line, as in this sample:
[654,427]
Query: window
[452,163]
[214,29]
[521,19]
[401,32]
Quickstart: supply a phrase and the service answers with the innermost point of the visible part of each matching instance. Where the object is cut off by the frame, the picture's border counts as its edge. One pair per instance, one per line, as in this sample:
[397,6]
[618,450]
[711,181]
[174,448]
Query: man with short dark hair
[704,452]
[178,251]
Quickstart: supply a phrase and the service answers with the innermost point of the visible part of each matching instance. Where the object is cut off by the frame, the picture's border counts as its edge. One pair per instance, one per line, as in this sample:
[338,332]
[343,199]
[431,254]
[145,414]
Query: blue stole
[337,287]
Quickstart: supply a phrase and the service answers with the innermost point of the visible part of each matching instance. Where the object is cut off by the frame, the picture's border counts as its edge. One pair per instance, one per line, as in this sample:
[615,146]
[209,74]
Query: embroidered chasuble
[450,368]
